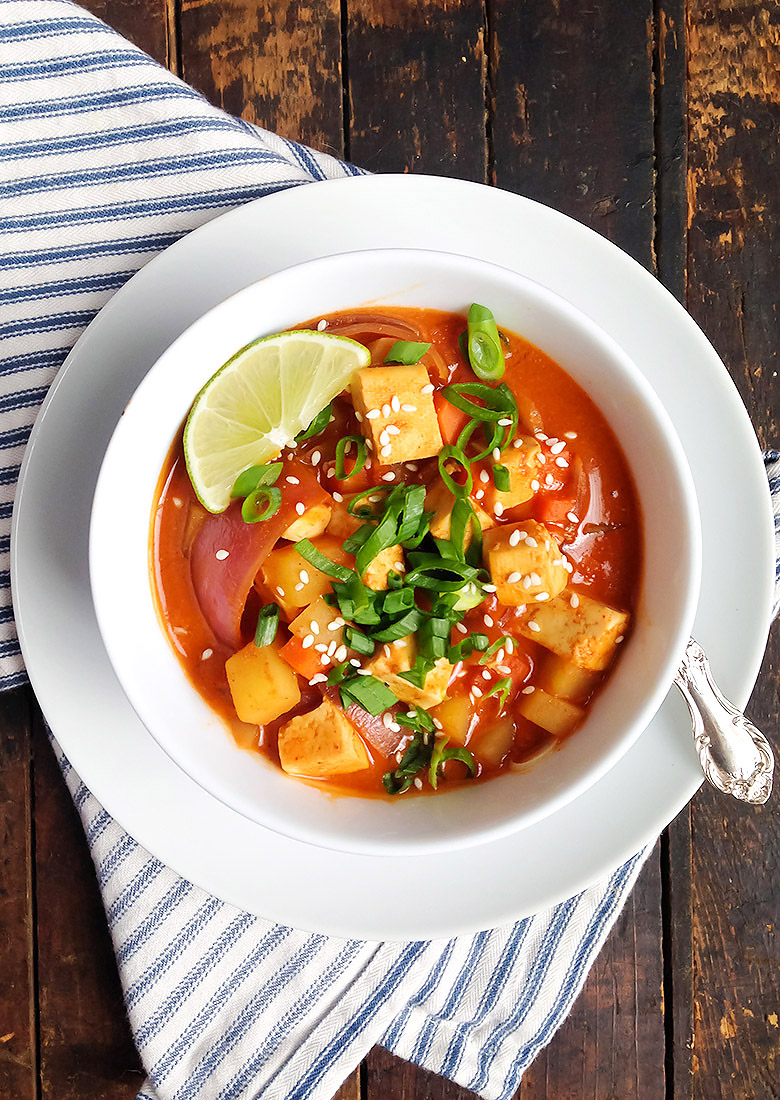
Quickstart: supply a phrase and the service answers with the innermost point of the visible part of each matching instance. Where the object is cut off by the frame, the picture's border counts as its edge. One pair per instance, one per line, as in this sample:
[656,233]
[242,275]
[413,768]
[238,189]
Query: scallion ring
[454,453]
[360,460]
[261,504]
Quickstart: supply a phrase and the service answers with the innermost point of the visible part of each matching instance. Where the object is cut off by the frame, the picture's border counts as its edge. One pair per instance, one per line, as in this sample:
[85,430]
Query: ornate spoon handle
[735,757]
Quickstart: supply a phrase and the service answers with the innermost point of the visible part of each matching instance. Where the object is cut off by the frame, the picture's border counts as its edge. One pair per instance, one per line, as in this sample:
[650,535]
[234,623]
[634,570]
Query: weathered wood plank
[276,63]
[417,83]
[18,1040]
[612,1043]
[147,23]
[86,1049]
[734,249]
[573,123]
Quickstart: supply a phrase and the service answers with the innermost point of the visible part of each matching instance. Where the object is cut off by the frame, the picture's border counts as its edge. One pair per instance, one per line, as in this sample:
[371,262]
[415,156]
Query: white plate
[158,804]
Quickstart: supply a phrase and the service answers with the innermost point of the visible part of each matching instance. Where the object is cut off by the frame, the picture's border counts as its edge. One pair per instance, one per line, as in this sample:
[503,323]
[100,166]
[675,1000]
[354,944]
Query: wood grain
[417,77]
[86,1049]
[734,248]
[150,24]
[18,1038]
[276,63]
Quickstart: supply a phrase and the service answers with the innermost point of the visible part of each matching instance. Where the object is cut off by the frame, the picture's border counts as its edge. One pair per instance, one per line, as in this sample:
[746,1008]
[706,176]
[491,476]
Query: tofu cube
[263,685]
[558,716]
[312,523]
[395,658]
[321,743]
[560,677]
[526,563]
[522,464]
[341,524]
[440,501]
[399,418]
[292,581]
[585,634]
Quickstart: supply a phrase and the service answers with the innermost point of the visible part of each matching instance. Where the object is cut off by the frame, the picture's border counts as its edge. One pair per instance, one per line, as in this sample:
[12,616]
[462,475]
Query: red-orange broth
[587,501]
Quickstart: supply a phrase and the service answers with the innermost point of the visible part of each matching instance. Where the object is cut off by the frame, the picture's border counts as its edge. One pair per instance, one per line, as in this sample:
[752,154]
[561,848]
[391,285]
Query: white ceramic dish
[188,729]
[157,803]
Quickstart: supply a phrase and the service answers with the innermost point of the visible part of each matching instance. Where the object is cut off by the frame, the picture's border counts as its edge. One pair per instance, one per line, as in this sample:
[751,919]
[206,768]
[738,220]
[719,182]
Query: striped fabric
[105,160]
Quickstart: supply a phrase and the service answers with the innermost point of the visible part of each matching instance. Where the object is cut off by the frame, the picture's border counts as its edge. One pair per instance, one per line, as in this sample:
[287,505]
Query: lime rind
[258,401]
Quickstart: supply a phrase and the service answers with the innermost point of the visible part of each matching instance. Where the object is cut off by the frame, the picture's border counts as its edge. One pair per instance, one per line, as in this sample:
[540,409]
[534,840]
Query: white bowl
[198,740]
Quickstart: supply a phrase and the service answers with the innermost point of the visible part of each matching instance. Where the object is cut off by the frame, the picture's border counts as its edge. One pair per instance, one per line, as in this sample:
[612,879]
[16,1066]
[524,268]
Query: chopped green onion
[484,345]
[414,505]
[441,754]
[416,758]
[368,692]
[358,641]
[461,516]
[418,673]
[383,536]
[407,624]
[495,401]
[465,648]
[337,673]
[267,623]
[501,688]
[318,424]
[261,504]
[367,493]
[428,569]
[353,542]
[397,601]
[254,477]
[501,478]
[360,460]
[416,719]
[451,453]
[406,352]
[316,558]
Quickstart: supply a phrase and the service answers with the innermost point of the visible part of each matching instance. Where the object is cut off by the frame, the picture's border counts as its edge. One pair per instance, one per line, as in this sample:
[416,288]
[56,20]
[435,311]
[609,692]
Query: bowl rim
[384,846]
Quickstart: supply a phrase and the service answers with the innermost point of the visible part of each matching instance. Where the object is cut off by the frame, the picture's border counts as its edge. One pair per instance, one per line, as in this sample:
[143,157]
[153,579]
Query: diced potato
[560,677]
[293,582]
[312,523]
[522,464]
[394,659]
[585,634]
[412,412]
[324,626]
[341,524]
[440,501]
[558,716]
[321,743]
[386,562]
[319,619]
[494,744]
[531,571]
[263,686]
[455,715]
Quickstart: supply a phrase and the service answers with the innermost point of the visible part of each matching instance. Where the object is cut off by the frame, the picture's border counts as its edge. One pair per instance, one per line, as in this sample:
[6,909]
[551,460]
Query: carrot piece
[307,662]
[452,421]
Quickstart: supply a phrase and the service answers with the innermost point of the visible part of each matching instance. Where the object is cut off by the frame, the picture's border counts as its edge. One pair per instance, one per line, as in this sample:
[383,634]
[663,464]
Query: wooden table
[655,122]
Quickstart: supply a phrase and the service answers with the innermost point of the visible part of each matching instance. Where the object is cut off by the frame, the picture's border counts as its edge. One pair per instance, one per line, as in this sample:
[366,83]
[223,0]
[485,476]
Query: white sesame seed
[556,448]
[409,408]
[541,459]
[314,627]
[486,619]
[505,670]
[549,479]
[358,417]
[388,477]
[307,642]
[331,471]
[332,648]
[324,659]
[363,672]
[315,458]
[222,554]
[484,477]
[479,494]
[504,422]
[535,578]
[564,465]
[318,678]
[534,626]
[412,465]
[337,623]
[620,638]
[531,541]
[299,587]
[513,578]
[489,588]
[322,325]
[384,438]
[535,486]
[321,647]
[395,727]
[387,719]
[385,452]
[372,414]
[575,600]
[177,501]
[292,445]
[280,590]
[498,508]
[438,724]
[461,628]
[496,454]
[500,656]
[386,410]
[472,700]
[486,675]
[517,444]
[541,596]
[303,576]
[527,582]
[418,783]
[395,404]
[399,643]
[510,645]
[340,654]
[514,538]
[428,388]
[572,516]
[541,436]
[292,480]
[570,435]
[338,498]
[206,654]
[529,690]
[386,650]
[476,691]
[300,508]
[399,567]
[393,429]
[355,663]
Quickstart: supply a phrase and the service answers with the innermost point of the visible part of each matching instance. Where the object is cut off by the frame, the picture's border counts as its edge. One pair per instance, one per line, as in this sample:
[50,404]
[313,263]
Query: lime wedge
[258,402]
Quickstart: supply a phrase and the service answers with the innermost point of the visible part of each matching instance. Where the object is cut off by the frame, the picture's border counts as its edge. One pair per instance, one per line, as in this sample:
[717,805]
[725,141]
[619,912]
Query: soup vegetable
[428,584]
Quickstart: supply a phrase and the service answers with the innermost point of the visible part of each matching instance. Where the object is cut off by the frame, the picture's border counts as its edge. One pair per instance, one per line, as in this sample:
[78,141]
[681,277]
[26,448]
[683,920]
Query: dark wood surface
[655,122]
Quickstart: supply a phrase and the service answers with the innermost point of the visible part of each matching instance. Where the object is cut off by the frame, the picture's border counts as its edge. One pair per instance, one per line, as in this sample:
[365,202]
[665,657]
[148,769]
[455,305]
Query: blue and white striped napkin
[107,159]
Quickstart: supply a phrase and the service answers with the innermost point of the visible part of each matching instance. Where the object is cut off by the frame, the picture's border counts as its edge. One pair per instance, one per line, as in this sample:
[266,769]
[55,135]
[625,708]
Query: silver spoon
[735,757]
